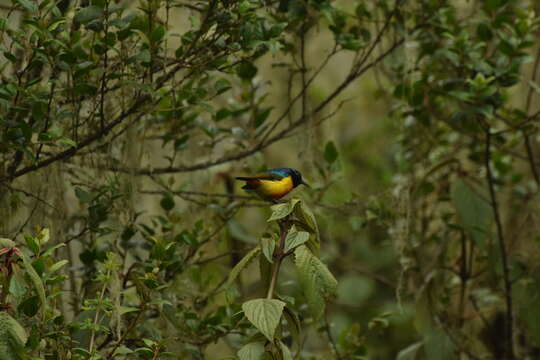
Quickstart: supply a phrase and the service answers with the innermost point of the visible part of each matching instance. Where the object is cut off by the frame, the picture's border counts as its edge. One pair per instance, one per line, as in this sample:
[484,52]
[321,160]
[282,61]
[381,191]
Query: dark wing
[263,176]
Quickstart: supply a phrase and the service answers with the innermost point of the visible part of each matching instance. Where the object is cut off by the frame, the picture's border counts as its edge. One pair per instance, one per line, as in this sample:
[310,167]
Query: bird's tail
[245,178]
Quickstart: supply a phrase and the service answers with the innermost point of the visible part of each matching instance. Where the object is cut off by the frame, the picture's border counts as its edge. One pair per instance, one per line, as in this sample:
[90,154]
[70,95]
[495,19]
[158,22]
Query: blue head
[293,173]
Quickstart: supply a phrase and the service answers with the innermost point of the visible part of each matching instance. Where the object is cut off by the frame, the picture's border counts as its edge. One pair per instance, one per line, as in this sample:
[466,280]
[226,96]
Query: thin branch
[26,193]
[330,337]
[509,324]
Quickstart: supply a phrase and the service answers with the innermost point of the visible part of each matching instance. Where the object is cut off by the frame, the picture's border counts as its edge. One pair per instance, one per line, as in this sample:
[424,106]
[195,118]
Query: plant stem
[273,281]
[279,255]
[509,326]
[96,316]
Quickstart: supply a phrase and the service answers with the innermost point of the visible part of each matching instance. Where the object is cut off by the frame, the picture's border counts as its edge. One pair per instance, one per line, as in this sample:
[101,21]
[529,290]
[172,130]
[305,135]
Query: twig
[279,255]
[509,324]
[330,337]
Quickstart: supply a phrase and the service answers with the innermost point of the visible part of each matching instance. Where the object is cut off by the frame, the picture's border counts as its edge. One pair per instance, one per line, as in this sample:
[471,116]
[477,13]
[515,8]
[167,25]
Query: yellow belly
[275,189]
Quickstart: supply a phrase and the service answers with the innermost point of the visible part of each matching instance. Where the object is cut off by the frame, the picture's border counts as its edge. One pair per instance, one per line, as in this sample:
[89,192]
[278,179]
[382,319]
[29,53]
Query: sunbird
[273,184]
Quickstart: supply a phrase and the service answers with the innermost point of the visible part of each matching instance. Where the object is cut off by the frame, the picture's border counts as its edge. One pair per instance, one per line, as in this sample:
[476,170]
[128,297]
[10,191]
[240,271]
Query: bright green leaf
[251,351]
[57,266]
[264,314]
[295,238]
[279,211]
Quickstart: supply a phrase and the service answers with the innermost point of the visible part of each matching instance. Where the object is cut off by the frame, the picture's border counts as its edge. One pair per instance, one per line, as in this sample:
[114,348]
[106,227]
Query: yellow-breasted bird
[273,184]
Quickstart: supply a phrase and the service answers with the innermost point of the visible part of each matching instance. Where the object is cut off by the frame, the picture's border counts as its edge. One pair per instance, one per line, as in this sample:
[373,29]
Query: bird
[273,184]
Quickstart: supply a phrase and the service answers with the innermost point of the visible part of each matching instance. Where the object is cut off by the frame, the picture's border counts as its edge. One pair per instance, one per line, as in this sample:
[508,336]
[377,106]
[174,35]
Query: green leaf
[285,352]
[264,314]
[484,32]
[409,353]
[474,213]
[309,223]
[294,327]
[295,238]
[29,306]
[32,243]
[246,260]
[44,236]
[265,269]
[268,245]
[83,196]
[30,6]
[36,280]
[12,338]
[167,202]
[67,141]
[17,284]
[317,281]
[222,85]
[279,211]
[57,266]
[246,70]
[50,250]
[6,243]
[88,14]
[251,351]
[261,115]
[330,152]
[438,345]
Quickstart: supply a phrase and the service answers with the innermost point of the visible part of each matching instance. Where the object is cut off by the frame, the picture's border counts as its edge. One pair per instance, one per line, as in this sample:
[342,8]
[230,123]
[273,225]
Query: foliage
[121,121]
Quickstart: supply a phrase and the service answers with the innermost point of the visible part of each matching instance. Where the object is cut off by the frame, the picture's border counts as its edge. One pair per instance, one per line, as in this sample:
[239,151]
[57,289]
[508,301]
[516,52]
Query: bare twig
[509,324]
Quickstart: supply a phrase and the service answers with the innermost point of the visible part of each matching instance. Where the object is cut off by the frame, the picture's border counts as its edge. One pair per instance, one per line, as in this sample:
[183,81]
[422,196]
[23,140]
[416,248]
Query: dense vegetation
[123,234]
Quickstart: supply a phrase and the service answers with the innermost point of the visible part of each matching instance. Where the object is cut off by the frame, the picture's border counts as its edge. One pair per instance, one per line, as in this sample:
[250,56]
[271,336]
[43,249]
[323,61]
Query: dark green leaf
[88,14]
[473,211]
[246,70]
[167,202]
[330,152]
[29,306]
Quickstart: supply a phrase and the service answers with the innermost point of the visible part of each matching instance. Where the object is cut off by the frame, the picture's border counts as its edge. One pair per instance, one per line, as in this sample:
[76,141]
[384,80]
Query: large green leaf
[12,338]
[36,280]
[474,212]
[251,351]
[264,314]
[317,281]
[309,223]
